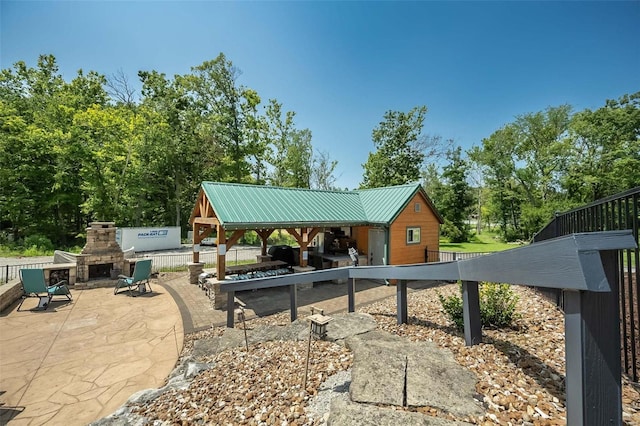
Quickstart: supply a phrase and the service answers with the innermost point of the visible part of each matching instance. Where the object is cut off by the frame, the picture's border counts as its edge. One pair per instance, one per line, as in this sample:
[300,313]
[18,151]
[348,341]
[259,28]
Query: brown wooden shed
[391,225]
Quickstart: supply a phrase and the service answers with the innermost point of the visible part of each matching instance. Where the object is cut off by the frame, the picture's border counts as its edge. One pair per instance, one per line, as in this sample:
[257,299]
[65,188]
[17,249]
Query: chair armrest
[58,284]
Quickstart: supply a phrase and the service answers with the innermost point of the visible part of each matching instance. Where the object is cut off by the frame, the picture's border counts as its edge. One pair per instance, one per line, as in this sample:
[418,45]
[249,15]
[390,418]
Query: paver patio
[79,361]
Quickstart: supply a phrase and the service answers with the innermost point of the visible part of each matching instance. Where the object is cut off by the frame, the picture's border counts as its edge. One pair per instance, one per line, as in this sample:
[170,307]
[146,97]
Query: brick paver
[198,312]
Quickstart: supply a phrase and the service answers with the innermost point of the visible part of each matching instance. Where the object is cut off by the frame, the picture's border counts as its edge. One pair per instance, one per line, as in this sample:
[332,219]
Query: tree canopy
[92,149]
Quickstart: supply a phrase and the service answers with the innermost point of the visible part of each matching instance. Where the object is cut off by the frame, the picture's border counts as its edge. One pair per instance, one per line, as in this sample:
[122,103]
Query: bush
[497,306]
[452,306]
[281,238]
[38,242]
[250,238]
[455,233]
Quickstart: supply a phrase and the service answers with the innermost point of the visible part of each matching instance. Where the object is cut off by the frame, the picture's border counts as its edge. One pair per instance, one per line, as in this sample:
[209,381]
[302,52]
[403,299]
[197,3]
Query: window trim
[411,231]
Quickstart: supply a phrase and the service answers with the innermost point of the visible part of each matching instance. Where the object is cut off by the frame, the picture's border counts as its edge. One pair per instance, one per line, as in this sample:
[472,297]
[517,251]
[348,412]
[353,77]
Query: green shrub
[39,242]
[452,306]
[281,238]
[497,306]
[250,238]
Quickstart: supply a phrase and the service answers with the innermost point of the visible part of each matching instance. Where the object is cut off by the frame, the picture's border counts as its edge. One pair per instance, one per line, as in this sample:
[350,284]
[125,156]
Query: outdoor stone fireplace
[101,257]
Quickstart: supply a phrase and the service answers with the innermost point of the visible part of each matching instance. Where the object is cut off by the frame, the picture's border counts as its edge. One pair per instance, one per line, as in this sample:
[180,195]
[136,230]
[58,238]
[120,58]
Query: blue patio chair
[34,285]
[140,278]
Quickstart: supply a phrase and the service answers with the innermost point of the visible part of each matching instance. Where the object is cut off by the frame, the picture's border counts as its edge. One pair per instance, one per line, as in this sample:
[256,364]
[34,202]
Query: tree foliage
[552,160]
[399,154]
[454,197]
[91,149]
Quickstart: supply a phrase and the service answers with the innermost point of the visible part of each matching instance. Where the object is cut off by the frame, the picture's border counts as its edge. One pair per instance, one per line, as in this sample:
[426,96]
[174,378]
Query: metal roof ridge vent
[282,187]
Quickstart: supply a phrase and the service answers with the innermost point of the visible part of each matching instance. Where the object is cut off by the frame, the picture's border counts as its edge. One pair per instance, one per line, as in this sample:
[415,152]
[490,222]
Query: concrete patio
[78,361]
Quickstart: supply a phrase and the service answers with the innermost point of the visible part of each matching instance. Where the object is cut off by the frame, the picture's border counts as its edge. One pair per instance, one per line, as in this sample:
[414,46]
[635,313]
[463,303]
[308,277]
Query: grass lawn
[485,242]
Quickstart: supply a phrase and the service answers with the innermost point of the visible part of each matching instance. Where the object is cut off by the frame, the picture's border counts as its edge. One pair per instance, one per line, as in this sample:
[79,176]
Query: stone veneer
[101,249]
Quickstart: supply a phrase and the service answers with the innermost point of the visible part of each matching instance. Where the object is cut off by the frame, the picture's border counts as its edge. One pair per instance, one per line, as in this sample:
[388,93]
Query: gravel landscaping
[520,371]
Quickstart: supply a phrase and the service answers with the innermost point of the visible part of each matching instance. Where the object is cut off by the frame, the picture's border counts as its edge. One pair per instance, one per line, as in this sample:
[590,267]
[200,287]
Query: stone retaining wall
[9,293]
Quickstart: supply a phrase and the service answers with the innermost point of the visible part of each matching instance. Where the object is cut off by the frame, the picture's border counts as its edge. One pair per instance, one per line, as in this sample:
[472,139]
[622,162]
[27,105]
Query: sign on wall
[148,239]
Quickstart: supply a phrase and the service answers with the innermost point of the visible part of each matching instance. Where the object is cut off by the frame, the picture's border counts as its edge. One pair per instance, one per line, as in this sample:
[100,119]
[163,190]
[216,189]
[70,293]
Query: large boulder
[388,369]
[350,414]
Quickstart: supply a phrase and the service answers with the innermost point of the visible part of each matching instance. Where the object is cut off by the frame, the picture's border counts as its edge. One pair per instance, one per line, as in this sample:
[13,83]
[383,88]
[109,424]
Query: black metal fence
[161,261]
[449,256]
[9,272]
[618,212]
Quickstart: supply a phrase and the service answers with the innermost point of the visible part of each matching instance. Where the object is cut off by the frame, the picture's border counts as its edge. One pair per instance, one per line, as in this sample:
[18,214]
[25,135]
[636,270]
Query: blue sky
[341,65]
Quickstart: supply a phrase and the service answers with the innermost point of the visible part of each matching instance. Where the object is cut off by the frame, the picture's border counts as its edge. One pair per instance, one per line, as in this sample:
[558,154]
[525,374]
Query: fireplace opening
[100,271]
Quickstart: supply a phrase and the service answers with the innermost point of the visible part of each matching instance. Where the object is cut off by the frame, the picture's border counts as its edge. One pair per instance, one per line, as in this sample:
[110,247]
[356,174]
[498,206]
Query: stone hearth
[100,254]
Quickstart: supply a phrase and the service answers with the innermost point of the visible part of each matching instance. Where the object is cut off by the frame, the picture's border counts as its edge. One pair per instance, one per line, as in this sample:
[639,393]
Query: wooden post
[231,307]
[471,313]
[293,299]
[401,296]
[222,247]
[304,241]
[592,347]
[196,240]
[264,236]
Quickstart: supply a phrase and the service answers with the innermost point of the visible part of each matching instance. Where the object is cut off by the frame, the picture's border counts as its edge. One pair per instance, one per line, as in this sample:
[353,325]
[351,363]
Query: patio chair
[140,278]
[34,285]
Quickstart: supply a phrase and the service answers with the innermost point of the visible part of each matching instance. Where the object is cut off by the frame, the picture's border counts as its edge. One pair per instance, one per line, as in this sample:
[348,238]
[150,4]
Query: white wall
[147,239]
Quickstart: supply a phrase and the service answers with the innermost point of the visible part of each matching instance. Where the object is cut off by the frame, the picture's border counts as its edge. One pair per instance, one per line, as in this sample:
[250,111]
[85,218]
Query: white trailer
[149,239]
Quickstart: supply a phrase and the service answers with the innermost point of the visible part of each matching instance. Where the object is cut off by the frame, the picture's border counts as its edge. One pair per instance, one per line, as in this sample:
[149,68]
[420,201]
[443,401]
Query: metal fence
[618,212]
[449,256]
[9,272]
[168,262]
[161,261]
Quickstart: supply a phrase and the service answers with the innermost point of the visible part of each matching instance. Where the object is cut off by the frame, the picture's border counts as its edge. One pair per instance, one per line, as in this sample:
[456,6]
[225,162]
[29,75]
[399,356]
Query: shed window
[413,235]
[417,207]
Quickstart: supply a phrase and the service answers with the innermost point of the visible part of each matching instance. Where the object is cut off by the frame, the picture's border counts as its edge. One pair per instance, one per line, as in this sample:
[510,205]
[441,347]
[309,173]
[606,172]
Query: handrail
[568,263]
[583,265]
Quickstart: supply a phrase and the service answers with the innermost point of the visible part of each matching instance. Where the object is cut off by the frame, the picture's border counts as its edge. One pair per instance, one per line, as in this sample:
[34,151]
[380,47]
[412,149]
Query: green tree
[455,198]
[605,154]
[227,109]
[523,165]
[322,171]
[399,145]
[290,149]
[38,150]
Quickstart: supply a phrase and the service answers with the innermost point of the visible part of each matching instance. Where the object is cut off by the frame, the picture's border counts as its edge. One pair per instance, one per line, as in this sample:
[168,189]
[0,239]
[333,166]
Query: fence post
[231,307]
[293,299]
[351,292]
[592,346]
[6,277]
[401,296]
[471,313]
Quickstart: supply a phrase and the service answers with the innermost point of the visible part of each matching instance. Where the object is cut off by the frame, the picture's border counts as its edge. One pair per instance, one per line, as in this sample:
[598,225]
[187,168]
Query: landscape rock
[343,326]
[388,369]
[352,414]
[435,379]
[378,374]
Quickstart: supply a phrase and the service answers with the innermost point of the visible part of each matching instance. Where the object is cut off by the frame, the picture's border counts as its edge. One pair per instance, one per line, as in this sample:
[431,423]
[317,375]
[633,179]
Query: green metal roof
[382,205]
[239,206]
